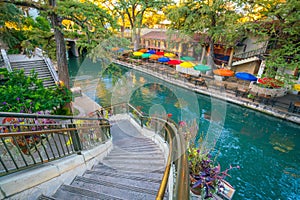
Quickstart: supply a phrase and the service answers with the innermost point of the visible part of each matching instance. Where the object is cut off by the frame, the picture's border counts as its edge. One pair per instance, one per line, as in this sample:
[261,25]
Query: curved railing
[27,140]
[177,157]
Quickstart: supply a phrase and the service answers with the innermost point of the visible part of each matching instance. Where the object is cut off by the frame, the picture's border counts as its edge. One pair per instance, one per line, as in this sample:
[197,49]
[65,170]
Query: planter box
[278,92]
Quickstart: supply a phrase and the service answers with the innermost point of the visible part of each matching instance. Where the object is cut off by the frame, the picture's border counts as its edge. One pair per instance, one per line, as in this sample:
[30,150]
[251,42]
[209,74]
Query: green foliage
[93,22]
[23,93]
[280,23]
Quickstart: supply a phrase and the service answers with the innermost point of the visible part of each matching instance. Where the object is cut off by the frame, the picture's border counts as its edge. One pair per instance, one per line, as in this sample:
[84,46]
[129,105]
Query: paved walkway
[85,105]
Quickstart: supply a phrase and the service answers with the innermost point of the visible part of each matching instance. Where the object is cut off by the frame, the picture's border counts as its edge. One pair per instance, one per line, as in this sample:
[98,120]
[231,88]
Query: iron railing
[177,156]
[27,140]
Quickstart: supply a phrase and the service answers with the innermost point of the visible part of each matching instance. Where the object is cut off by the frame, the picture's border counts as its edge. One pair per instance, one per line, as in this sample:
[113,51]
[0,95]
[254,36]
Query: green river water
[267,149]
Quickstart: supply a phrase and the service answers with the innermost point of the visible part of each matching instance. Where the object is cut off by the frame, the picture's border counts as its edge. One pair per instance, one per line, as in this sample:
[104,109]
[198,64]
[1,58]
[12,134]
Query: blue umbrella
[164,59]
[151,51]
[245,76]
[120,50]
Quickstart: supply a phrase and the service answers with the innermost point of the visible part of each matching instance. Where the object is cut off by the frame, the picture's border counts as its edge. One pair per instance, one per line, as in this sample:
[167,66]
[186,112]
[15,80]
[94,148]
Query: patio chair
[294,107]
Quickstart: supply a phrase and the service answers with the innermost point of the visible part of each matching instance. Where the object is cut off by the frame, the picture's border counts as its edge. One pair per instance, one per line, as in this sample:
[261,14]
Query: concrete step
[122,179]
[127,167]
[153,175]
[149,177]
[80,193]
[135,157]
[120,151]
[135,162]
[44,197]
[115,189]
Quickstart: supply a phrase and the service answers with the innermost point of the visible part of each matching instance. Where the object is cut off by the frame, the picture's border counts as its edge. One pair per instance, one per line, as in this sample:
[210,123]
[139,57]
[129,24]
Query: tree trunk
[134,39]
[210,59]
[61,57]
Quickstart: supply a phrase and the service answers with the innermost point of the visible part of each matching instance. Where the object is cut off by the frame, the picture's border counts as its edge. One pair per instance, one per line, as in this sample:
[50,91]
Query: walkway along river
[266,148]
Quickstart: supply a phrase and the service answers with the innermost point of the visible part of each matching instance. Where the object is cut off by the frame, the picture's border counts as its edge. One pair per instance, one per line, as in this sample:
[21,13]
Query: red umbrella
[270,82]
[161,53]
[174,62]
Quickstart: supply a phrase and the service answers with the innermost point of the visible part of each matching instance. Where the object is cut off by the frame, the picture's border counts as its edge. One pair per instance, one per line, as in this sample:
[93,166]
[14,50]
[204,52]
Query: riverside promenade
[280,109]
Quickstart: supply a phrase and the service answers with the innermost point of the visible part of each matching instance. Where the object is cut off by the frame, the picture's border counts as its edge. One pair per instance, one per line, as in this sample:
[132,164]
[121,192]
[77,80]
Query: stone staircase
[132,170]
[37,64]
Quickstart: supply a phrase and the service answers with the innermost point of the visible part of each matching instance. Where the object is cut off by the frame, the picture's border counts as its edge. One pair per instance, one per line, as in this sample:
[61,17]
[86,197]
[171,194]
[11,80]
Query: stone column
[203,54]
[231,57]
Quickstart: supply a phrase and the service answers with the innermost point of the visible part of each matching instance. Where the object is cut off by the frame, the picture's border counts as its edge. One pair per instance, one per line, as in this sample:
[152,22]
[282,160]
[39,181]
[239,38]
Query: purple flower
[238,167]
[198,151]
[4,103]
[18,98]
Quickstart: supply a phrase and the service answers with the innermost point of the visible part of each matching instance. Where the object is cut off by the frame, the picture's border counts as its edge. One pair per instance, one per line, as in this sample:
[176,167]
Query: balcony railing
[252,53]
[27,140]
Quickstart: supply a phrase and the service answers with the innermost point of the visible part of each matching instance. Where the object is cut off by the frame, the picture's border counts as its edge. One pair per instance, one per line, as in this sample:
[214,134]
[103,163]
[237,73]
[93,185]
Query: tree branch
[25,4]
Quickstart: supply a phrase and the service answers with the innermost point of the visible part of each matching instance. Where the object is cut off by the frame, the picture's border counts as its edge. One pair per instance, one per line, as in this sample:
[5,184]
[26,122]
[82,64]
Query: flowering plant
[204,174]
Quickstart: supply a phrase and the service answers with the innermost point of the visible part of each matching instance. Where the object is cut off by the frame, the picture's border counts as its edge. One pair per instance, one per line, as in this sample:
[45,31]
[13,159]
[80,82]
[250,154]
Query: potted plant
[206,177]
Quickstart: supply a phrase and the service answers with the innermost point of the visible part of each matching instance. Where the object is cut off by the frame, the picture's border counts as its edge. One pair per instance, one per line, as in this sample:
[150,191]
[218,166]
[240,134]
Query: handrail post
[75,138]
[142,124]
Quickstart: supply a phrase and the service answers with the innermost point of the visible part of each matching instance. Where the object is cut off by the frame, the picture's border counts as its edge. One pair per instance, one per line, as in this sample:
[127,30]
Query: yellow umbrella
[170,55]
[137,53]
[187,65]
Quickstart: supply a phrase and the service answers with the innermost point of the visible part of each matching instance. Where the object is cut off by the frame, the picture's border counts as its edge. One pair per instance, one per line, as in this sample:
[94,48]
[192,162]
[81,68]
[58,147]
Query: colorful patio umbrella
[170,55]
[146,55]
[187,64]
[143,50]
[271,82]
[187,58]
[160,53]
[202,68]
[154,57]
[245,76]
[151,51]
[163,59]
[223,72]
[174,62]
[120,50]
[137,53]
[115,48]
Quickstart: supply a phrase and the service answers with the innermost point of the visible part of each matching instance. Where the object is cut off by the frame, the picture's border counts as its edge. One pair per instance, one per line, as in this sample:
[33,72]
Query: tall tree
[279,21]
[87,15]
[135,10]
[217,19]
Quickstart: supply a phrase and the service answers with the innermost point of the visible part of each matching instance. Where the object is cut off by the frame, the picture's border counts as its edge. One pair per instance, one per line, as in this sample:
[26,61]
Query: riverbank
[210,89]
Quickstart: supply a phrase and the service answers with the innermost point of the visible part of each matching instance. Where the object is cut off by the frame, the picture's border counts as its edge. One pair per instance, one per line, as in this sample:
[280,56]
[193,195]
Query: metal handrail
[177,153]
[6,60]
[27,140]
